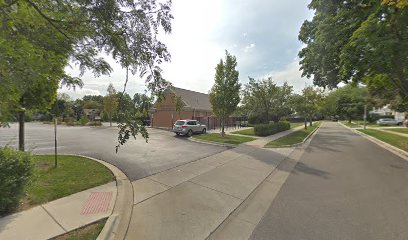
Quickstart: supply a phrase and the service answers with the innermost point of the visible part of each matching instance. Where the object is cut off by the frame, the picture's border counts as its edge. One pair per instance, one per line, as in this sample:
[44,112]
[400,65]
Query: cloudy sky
[262,34]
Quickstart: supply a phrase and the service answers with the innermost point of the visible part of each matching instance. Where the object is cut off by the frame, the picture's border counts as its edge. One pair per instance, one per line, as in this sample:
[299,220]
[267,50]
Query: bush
[15,171]
[269,129]
[83,120]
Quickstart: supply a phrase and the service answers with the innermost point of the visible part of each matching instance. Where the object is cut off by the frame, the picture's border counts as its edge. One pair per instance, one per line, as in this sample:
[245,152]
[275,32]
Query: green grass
[351,125]
[393,139]
[89,232]
[293,138]
[73,174]
[251,132]
[248,132]
[297,124]
[399,130]
[230,139]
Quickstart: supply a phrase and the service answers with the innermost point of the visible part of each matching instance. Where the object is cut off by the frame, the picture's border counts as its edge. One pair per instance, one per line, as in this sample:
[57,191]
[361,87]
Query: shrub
[272,128]
[15,171]
[83,120]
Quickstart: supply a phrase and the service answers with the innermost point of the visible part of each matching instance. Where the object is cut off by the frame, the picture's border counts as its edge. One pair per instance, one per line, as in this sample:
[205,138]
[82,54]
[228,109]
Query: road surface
[344,187]
[137,158]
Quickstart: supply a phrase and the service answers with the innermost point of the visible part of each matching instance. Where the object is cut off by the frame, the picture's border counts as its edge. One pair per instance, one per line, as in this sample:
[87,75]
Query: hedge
[272,128]
[15,171]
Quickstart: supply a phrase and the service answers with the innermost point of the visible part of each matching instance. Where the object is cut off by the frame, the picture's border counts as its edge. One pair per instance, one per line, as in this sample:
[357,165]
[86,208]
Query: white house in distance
[387,111]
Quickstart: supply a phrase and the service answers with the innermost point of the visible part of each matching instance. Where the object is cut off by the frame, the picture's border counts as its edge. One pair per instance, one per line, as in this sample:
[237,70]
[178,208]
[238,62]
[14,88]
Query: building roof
[193,100]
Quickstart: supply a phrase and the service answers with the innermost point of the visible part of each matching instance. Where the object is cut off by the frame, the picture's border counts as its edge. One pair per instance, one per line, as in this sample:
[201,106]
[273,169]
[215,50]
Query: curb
[117,224]
[400,153]
[296,144]
[213,143]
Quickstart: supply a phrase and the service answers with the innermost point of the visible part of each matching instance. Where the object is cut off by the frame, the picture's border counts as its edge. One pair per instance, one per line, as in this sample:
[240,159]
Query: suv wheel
[190,133]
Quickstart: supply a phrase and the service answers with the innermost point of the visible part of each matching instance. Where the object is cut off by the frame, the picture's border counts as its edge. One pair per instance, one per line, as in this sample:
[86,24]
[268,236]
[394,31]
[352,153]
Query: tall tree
[224,95]
[110,103]
[46,35]
[267,101]
[312,98]
[346,102]
[357,41]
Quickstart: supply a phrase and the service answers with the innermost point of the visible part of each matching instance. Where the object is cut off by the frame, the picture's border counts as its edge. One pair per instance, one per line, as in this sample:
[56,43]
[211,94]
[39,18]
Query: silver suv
[188,127]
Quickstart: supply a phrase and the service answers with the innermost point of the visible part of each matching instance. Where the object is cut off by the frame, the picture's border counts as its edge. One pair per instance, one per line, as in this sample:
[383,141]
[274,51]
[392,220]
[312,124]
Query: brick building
[196,106]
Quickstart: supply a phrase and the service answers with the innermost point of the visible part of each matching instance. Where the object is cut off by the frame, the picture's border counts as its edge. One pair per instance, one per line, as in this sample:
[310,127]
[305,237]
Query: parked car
[387,121]
[188,127]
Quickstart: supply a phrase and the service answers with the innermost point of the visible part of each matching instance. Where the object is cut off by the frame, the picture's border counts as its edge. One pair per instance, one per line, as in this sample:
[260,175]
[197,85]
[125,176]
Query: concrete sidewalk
[191,201]
[60,216]
[261,142]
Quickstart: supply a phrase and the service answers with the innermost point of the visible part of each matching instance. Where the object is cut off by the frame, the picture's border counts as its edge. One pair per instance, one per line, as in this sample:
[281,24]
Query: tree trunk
[110,120]
[305,122]
[349,120]
[21,116]
[311,121]
[222,127]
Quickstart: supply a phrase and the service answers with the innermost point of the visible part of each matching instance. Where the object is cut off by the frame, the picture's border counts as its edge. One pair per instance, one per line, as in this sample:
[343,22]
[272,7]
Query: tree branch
[48,19]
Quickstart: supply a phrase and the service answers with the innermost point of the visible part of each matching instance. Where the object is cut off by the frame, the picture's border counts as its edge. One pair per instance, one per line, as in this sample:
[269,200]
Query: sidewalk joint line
[216,190]
[55,220]
[160,182]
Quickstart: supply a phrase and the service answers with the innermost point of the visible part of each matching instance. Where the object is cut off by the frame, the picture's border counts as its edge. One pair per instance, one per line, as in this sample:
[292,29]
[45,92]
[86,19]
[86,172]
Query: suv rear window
[179,123]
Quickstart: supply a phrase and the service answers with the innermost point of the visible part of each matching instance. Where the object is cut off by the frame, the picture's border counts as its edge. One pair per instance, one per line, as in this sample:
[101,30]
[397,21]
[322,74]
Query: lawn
[293,138]
[248,132]
[230,139]
[89,232]
[352,124]
[297,124]
[73,174]
[393,139]
[399,130]
[251,132]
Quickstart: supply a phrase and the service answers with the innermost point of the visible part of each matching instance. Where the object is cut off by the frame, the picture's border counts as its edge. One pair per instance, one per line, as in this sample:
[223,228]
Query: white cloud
[200,37]
[292,75]
[249,47]
[79,92]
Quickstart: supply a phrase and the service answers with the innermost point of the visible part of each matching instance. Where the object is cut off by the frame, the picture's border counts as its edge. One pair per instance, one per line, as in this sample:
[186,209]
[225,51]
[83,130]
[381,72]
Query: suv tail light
[184,126]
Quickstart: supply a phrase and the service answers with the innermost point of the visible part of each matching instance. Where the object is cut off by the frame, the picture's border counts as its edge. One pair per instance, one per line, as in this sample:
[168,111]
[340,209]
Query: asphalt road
[344,187]
[137,159]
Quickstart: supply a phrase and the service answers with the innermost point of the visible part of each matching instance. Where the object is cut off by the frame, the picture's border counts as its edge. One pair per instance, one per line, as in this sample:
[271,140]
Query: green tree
[347,102]
[44,35]
[110,103]
[357,41]
[267,101]
[312,98]
[178,103]
[224,95]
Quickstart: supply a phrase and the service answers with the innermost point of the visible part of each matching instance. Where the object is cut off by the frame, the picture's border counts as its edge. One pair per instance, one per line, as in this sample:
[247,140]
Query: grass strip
[399,130]
[90,232]
[393,139]
[73,174]
[251,132]
[248,132]
[293,138]
[230,139]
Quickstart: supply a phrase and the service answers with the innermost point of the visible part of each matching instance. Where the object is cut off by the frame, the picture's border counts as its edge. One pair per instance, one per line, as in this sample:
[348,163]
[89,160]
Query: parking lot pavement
[137,158]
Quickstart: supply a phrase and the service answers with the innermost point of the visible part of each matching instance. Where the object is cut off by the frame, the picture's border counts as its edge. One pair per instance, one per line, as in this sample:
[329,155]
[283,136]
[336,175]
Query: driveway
[137,158]
[344,187]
